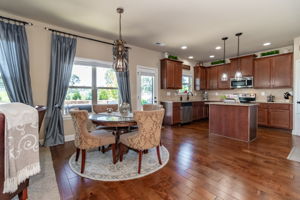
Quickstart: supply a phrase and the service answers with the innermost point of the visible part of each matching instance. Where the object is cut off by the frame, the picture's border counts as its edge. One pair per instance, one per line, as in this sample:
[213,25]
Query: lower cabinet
[275,115]
[200,110]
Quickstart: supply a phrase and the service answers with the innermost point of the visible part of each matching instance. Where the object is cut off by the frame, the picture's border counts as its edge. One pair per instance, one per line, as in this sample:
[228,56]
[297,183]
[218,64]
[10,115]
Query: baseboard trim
[68,138]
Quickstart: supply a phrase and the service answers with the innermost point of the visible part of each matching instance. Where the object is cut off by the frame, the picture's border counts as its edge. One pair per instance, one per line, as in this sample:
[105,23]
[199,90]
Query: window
[3,95]
[91,82]
[186,84]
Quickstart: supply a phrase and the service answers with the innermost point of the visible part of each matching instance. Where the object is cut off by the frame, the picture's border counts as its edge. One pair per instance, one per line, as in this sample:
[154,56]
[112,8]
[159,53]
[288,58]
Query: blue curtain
[123,81]
[63,51]
[14,62]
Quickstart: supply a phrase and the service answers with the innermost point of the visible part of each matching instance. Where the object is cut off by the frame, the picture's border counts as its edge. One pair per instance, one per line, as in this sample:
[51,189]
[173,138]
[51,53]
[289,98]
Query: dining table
[120,122]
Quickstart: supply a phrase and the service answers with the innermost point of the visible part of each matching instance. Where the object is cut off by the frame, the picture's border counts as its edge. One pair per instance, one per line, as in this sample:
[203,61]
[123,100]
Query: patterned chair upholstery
[147,107]
[85,140]
[98,108]
[147,136]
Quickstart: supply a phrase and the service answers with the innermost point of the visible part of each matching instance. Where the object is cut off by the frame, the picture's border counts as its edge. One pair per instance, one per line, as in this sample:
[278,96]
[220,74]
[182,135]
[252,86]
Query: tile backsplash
[261,94]
[215,95]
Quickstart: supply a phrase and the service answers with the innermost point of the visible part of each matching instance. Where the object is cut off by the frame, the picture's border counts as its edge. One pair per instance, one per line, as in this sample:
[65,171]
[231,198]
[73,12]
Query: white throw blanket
[21,159]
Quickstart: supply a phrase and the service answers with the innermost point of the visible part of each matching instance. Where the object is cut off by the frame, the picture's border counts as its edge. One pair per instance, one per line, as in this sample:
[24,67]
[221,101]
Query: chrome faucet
[188,95]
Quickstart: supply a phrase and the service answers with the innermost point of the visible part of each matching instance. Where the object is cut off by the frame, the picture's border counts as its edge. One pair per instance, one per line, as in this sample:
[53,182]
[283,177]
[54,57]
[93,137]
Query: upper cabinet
[171,74]
[212,78]
[224,69]
[274,71]
[246,64]
[199,78]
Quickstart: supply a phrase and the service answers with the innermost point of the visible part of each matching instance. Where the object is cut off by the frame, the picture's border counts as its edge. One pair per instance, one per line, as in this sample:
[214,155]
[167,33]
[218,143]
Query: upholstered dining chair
[147,107]
[146,137]
[85,140]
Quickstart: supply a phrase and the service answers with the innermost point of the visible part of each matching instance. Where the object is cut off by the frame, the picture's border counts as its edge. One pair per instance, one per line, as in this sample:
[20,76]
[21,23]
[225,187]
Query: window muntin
[91,83]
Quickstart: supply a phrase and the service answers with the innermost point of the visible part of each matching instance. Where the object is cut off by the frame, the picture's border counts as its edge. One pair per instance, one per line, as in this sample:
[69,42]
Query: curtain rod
[15,20]
[74,35]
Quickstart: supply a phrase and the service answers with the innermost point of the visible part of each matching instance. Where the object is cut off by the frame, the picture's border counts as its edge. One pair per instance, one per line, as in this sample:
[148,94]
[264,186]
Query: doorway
[147,86]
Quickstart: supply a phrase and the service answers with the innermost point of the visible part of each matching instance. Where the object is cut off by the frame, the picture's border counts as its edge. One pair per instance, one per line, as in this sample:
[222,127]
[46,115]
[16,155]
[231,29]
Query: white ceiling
[199,24]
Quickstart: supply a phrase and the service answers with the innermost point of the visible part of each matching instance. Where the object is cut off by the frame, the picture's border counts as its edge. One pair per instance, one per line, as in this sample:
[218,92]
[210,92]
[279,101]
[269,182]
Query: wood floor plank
[201,166]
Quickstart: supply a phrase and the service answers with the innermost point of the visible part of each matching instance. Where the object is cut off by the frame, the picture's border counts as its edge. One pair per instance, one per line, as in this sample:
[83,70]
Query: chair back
[41,110]
[80,118]
[99,108]
[147,107]
[149,124]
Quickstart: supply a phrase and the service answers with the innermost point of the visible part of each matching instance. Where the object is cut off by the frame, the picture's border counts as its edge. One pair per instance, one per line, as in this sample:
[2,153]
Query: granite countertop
[232,104]
[218,101]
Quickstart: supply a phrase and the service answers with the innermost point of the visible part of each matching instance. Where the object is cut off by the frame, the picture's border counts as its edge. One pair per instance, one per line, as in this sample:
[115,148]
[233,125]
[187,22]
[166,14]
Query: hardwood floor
[200,167]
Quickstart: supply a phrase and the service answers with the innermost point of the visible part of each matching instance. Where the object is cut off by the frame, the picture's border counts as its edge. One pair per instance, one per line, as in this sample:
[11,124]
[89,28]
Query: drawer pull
[298,102]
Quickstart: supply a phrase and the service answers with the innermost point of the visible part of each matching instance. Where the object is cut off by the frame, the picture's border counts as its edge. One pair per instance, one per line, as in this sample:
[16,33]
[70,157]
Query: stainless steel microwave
[245,82]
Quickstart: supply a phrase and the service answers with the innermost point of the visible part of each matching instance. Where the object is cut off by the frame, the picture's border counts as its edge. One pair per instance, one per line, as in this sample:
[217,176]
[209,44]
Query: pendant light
[238,74]
[224,76]
[120,62]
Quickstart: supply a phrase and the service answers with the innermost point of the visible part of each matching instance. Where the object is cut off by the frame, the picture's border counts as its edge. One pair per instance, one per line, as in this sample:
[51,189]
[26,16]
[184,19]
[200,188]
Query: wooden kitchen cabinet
[200,110]
[274,71]
[212,78]
[262,73]
[246,64]
[221,70]
[171,74]
[172,113]
[199,78]
[275,115]
[282,71]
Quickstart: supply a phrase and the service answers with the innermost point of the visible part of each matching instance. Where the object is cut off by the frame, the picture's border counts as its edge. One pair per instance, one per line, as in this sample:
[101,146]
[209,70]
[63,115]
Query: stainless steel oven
[245,82]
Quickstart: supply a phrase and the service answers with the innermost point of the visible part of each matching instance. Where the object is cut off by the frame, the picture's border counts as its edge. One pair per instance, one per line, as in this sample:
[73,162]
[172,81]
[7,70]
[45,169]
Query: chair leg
[158,154]
[77,154]
[99,148]
[140,161]
[23,195]
[103,149]
[121,149]
[83,160]
[160,143]
[113,148]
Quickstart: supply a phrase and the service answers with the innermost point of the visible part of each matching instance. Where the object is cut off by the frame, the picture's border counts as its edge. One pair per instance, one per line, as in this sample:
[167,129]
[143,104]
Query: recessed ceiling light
[211,56]
[183,47]
[267,43]
[191,57]
[160,44]
[218,47]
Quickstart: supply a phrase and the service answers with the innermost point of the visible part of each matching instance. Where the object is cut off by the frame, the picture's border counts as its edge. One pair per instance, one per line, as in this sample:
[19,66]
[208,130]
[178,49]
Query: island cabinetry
[235,121]
[171,74]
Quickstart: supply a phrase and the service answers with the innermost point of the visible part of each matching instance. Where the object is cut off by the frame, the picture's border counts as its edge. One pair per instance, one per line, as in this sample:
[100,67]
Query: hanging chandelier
[238,74]
[120,63]
[224,76]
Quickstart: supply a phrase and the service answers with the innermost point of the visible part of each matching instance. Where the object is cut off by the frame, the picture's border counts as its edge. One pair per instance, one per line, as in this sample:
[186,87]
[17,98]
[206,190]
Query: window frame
[190,84]
[3,102]
[94,64]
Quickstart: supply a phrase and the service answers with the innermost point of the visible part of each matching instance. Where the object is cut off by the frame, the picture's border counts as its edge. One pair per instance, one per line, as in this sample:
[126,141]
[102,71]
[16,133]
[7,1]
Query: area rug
[294,154]
[43,186]
[99,166]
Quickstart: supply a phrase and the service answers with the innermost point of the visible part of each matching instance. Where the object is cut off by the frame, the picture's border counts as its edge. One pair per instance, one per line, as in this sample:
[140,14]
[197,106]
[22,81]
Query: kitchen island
[233,120]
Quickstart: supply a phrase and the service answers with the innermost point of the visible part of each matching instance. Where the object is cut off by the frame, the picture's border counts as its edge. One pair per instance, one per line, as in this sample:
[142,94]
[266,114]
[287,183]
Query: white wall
[296,130]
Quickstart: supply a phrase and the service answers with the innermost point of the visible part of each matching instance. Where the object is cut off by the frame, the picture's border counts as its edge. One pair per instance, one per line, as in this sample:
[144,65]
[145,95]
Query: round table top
[114,119]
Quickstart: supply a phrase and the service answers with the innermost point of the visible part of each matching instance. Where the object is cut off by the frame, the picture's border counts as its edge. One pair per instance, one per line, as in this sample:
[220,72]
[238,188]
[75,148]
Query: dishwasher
[186,112]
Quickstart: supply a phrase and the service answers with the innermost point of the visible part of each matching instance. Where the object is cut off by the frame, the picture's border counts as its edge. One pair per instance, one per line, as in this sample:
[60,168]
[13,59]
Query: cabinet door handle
[298,102]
